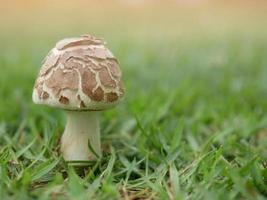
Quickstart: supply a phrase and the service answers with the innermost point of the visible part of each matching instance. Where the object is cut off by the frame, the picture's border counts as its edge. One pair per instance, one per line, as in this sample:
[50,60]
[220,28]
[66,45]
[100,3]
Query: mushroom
[81,76]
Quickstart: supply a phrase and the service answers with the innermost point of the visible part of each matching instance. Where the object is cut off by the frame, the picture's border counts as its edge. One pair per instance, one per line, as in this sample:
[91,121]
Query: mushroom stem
[81,128]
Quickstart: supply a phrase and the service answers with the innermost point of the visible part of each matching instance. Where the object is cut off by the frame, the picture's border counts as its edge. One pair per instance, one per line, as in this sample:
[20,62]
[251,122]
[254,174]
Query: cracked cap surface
[79,74]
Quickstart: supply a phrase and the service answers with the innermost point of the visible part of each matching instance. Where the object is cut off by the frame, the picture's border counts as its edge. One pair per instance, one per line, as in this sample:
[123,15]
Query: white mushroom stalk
[80,75]
[81,138]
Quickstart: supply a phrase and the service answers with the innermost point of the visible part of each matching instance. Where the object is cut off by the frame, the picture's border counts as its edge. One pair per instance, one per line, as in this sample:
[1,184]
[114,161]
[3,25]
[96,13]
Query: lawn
[193,123]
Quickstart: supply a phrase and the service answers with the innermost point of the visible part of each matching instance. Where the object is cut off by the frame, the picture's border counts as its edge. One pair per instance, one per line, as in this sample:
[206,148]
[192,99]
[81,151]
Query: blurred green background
[193,123]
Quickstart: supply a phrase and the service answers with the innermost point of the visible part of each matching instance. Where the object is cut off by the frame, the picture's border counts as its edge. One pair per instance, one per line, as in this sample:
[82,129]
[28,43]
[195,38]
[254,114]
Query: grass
[192,126]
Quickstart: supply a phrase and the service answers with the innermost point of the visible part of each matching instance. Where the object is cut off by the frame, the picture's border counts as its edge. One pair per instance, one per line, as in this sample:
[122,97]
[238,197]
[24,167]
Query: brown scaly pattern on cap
[81,65]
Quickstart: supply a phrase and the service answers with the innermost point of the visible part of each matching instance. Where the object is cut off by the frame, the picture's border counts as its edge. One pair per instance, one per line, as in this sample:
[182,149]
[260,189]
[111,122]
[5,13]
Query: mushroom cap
[79,74]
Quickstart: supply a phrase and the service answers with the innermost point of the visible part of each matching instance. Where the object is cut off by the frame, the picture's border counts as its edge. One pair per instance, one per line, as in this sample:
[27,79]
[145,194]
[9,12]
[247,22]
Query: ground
[193,123]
